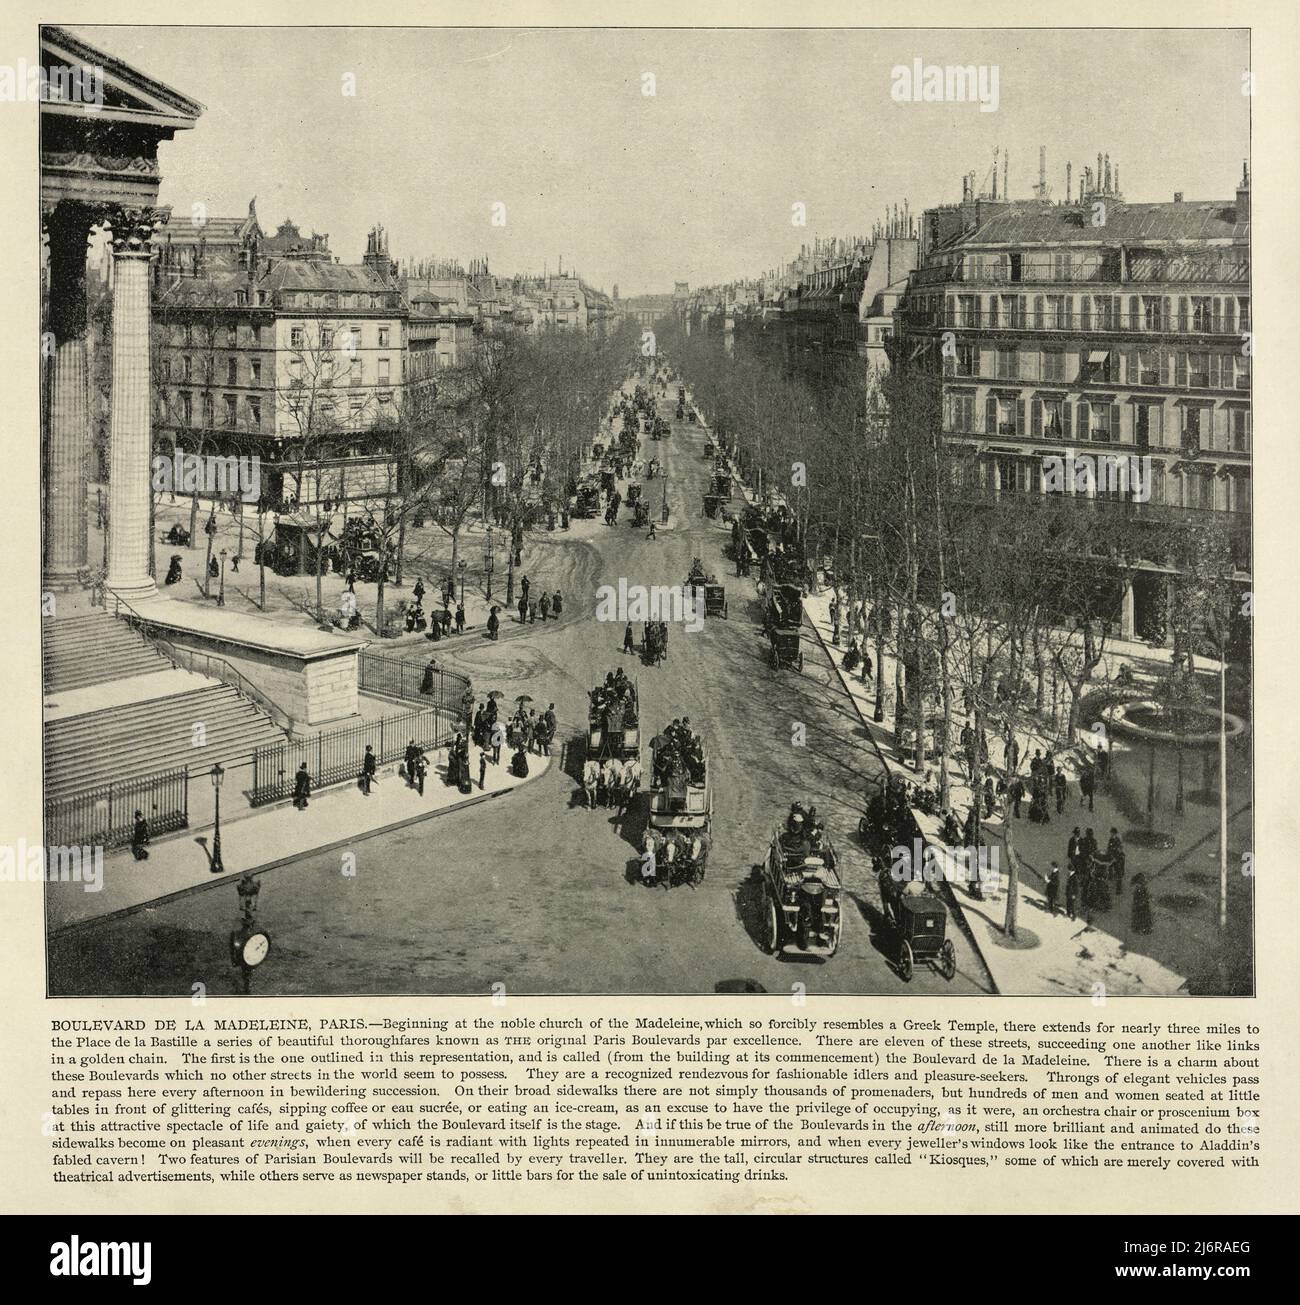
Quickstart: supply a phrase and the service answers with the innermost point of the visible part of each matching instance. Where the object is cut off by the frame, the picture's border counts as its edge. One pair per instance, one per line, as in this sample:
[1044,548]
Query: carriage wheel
[948,960]
[771,926]
[835,934]
[905,962]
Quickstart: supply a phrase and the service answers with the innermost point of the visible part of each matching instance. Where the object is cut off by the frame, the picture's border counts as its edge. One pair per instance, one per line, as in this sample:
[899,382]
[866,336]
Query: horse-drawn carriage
[654,647]
[681,814]
[782,619]
[640,514]
[586,502]
[614,724]
[801,897]
[715,598]
[918,919]
[654,468]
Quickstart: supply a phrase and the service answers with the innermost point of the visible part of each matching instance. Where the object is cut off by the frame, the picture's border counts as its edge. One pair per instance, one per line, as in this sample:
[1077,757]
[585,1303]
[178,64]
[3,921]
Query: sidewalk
[1051,955]
[338,817]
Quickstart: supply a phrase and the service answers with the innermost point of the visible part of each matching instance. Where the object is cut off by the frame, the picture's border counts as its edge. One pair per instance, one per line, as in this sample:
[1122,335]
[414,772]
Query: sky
[696,182]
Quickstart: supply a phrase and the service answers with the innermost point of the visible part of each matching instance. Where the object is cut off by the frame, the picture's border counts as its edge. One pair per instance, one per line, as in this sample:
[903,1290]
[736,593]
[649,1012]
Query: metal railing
[105,815]
[412,682]
[336,756]
[1113,323]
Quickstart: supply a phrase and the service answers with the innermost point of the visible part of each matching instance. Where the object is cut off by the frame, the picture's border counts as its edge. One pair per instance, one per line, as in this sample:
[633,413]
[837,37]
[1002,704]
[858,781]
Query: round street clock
[250,947]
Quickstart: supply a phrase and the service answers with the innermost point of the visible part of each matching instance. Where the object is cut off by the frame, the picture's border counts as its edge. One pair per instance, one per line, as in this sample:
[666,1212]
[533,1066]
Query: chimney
[1243,195]
[1069,168]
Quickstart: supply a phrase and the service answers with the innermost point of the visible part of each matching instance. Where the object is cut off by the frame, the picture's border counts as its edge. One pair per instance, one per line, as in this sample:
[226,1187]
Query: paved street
[533,891]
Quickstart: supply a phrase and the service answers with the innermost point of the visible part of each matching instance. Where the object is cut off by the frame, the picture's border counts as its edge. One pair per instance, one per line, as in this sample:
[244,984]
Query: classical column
[67,415]
[131,423]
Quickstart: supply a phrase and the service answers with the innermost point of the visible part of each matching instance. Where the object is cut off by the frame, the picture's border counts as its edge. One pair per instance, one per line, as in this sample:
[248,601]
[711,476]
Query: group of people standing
[530,607]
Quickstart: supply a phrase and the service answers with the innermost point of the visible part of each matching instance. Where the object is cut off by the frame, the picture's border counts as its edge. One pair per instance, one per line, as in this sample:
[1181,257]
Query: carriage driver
[794,842]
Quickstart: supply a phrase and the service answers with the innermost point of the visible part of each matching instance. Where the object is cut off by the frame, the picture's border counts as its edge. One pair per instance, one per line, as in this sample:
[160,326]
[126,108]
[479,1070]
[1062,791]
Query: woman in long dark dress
[1141,905]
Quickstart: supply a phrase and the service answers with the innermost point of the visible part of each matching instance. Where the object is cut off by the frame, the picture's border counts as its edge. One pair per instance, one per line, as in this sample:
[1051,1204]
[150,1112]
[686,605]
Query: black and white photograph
[638,511]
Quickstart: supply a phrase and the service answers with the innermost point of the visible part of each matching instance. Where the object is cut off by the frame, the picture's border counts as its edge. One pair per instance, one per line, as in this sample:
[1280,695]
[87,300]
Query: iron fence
[105,815]
[445,690]
[336,756]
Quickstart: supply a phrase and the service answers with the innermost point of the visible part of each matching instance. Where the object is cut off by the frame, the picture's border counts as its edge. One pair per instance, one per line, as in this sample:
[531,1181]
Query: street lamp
[489,562]
[217,774]
[221,592]
[462,566]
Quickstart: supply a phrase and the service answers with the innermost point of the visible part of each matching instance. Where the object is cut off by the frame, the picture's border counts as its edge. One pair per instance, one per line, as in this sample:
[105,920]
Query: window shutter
[1038,417]
[1182,313]
[1134,313]
[1085,314]
[1180,371]
[1020,416]
[1085,429]
[990,416]
[1038,312]
[1166,313]
[1114,423]
[1065,418]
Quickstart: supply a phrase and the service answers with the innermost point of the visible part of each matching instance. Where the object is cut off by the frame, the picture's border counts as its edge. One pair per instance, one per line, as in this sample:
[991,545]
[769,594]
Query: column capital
[132,228]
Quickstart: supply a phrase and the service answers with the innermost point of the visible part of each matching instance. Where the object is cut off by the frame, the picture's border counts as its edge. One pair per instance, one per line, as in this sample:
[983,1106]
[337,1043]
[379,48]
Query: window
[187,408]
[1152,319]
[354,346]
[1202,313]
[232,410]
[232,373]
[1053,364]
[1097,367]
[383,337]
[1053,418]
[255,371]
[968,307]
[187,367]
[167,369]
[383,371]
[355,372]
[326,337]
[1106,309]
[1146,424]
[189,333]
[1240,372]
[964,412]
[1239,420]
[1058,317]
[1008,362]
[296,337]
[255,413]
[207,410]
[1191,427]
[1198,371]
[232,336]
[1149,366]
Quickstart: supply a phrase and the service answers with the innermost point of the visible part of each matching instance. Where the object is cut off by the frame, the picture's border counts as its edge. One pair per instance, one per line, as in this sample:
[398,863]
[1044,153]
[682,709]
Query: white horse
[590,779]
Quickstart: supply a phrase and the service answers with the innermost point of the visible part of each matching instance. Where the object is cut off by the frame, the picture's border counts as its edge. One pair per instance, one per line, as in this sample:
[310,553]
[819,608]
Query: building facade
[1102,328]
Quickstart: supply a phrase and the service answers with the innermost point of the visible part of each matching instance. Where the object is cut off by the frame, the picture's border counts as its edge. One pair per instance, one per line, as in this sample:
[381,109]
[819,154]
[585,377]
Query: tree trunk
[261,561]
[1013,884]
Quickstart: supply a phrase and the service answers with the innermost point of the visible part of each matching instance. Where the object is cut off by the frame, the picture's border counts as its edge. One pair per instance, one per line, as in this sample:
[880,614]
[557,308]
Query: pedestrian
[482,768]
[532,611]
[460,618]
[524,587]
[301,787]
[1053,886]
[234,564]
[352,580]
[1013,754]
[1115,853]
[523,610]
[1141,919]
[868,669]
[1059,781]
[550,723]
[1087,784]
[494,624]
[1017,795]
[545,607]
[629,642]
[1103,764]
[557,605]
[418,591]
[1072,847]
[140,837]
[368,767]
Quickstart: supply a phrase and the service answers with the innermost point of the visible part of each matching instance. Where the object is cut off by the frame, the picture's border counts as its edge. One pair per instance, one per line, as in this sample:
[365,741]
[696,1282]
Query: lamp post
[462,566]
[221,592]
[217,774]
[489,562]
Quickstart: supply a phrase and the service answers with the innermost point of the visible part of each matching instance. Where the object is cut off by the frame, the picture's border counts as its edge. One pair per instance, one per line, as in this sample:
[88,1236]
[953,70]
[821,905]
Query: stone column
[67,413]
[131,423]
[1127,629]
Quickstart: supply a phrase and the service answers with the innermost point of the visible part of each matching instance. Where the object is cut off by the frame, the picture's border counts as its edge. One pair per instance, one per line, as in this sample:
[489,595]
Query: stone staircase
[78,651]
[198,728]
